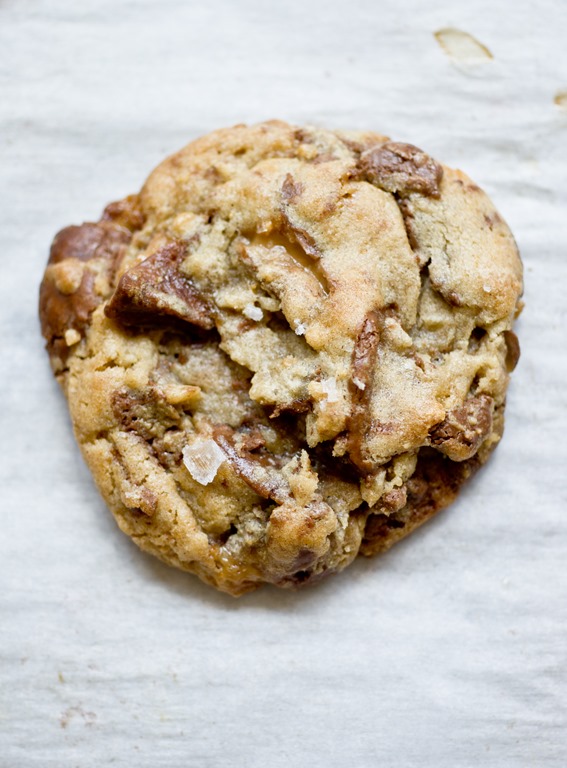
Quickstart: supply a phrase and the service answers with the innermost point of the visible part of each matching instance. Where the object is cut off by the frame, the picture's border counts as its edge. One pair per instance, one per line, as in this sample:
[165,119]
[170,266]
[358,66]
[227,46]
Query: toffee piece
[291,347]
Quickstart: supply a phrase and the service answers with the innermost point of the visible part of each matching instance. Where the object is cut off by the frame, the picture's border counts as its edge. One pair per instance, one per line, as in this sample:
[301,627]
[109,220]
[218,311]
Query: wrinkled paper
[448,651]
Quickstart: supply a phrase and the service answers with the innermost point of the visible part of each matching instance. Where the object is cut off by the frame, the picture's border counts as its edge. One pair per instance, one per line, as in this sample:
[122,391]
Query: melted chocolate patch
[401,168]
[157,288]
[60,312]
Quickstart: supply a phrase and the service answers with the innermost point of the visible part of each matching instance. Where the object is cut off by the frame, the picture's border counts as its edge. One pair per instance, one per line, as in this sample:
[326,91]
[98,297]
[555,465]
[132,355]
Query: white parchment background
[449,651]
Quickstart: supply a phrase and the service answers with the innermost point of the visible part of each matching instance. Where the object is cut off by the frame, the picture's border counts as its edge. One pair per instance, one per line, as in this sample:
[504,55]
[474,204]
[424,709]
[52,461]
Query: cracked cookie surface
[291,347]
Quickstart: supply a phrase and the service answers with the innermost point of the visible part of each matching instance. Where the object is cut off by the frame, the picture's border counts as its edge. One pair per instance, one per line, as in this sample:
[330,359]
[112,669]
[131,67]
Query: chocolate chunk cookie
[291,347]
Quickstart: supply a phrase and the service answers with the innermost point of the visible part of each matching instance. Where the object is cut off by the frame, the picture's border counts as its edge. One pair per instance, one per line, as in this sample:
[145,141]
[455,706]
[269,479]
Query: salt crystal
[253,312]
[202,458]
[359,383]
[329,387]
[487,288]
[300,327]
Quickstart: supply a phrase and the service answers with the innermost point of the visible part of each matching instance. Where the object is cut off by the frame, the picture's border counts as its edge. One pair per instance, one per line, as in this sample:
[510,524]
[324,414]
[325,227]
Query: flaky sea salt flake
[329,387]
[203,458]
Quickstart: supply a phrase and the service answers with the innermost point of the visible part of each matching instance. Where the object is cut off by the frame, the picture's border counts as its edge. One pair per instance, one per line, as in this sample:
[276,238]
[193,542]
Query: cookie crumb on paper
[461,46]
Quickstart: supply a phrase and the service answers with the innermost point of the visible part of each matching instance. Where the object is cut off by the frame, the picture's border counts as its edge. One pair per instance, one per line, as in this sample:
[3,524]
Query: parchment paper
[449,651]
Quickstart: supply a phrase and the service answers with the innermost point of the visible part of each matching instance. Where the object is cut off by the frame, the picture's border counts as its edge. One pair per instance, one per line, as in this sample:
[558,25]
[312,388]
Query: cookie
[290,348]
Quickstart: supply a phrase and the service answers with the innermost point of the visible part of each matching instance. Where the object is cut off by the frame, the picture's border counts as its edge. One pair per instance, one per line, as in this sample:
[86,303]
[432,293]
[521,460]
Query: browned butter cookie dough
[291,347]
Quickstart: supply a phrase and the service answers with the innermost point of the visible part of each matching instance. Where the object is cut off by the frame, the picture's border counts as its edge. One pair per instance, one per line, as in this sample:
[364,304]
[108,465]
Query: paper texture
[449,651]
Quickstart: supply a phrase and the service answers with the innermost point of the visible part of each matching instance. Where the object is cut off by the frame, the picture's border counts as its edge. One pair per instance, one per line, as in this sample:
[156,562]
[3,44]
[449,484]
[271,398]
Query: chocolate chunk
[383,517]
[434,485]
[251,440]
[363,365]
[408,218]
[364,356]
[145,413]
[157,288]
[88,241]
[393,500]
[463,430]
[266,482]
[126,213]
[513,347]
[291,189]
[401,168]
[96,245]
[61,312]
